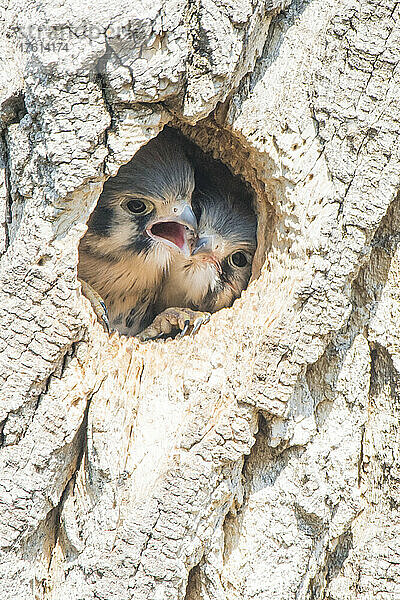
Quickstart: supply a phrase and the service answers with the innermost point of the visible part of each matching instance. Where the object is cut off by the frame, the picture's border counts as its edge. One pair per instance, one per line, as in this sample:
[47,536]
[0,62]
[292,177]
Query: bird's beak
[187,218]
[206,248]
[173,230]
[204,245]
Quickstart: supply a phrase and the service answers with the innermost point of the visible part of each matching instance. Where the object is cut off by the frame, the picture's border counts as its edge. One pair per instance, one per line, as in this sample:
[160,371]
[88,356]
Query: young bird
[218,269]
[142,221]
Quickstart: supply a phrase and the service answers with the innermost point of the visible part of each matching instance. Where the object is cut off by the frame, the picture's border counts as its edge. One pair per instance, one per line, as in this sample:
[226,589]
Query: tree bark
[260,459]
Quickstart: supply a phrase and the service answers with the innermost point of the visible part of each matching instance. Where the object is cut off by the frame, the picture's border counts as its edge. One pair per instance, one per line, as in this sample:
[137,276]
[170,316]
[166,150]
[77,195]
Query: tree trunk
[260,459]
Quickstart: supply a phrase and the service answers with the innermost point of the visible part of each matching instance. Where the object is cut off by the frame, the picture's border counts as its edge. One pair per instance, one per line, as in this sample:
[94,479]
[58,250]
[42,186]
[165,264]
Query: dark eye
[239,259]
[136,206]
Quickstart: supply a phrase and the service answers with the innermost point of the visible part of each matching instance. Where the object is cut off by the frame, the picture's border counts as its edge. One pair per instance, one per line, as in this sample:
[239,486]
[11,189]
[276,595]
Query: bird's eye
[238,259]
[136,206]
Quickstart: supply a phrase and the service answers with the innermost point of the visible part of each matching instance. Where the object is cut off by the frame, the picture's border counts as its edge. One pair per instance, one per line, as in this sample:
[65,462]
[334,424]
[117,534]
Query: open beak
[188,218]
[205,247]
[173,230]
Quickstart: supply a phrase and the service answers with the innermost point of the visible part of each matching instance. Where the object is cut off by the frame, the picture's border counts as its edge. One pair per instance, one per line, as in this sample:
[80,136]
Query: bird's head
[147,208]
[225,245]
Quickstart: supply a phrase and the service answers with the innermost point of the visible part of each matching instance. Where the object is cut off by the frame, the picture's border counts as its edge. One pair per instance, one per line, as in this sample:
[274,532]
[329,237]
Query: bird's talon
[196,325]
[104,317]
[97,303]
[184,330]
[199,322]
[106,322]
[171,319]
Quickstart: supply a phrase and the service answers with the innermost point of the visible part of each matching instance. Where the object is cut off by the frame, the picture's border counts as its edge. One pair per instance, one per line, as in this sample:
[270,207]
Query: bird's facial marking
[100,222]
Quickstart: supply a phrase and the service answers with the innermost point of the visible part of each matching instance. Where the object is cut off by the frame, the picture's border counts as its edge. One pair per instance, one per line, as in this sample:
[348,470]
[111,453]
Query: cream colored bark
[259,460]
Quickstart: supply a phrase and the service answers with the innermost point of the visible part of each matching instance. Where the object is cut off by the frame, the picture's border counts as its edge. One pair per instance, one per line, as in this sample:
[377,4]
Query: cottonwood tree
[259,459]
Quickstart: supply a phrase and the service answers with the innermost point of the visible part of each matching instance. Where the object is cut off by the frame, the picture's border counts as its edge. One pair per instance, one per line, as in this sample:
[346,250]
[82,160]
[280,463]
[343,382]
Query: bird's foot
[97,303]
[184,319]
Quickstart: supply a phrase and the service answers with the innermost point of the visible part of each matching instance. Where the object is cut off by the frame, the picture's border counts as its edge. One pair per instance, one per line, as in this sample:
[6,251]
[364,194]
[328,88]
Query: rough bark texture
[259,460]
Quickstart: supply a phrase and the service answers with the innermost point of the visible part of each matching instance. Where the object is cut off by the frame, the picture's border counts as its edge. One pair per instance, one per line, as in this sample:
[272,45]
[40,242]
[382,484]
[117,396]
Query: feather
[119,256]
[209,280]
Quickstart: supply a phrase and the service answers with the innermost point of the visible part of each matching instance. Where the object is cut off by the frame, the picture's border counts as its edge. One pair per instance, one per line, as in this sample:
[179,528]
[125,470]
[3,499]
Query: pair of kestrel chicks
[167,244]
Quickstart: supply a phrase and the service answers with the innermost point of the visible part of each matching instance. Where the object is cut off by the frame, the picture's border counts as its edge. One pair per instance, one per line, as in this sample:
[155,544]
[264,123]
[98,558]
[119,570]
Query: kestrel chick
[143,220]
[218,270]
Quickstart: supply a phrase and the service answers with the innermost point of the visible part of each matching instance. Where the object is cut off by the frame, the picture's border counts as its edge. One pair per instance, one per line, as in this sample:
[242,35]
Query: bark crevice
[146,471]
